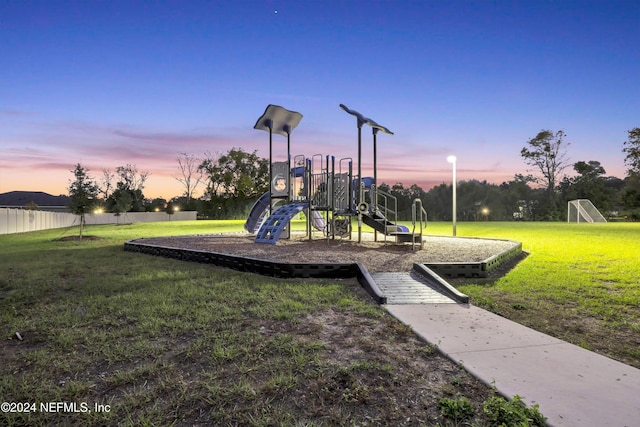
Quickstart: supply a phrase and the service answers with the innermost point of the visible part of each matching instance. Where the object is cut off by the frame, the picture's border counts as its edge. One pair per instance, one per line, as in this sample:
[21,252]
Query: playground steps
[277,222]
[383,225]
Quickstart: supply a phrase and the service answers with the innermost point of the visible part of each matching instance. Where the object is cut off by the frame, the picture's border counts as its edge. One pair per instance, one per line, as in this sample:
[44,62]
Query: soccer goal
[582,210]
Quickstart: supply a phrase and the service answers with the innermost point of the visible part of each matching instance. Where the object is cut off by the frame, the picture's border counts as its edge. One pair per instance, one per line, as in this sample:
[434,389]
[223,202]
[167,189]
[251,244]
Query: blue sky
[109,83]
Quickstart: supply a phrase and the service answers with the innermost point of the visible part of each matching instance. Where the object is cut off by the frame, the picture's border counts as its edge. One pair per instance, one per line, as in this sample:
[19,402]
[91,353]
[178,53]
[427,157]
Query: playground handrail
[416,208]
[390,214]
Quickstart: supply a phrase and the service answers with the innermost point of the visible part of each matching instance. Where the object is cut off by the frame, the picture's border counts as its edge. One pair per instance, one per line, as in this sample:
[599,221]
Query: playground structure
[329,192]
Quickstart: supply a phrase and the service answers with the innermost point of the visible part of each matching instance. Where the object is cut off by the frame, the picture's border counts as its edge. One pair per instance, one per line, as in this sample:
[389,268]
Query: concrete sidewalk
[573,386]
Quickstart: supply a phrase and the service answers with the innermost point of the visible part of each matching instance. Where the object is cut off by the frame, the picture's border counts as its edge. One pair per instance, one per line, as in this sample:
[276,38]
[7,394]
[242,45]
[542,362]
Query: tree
[546,154]
[234,180]
[156,205]
[631,196]
[404,197]
[590,170]
[191,174]
[518,198]
[83,192]
[438,202]
[107,183]
[31,206]
[212,173]
[121,201]
[588,184]
[236,174]
[632,149]
[130,181]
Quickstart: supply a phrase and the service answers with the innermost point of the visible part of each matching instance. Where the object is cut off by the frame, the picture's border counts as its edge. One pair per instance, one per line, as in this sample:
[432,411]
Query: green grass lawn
[165,342]
[580,282]
[155,341]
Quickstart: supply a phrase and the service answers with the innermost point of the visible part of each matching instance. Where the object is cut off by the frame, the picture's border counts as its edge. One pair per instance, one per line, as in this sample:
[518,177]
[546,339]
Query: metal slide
[318,221]
[379,223]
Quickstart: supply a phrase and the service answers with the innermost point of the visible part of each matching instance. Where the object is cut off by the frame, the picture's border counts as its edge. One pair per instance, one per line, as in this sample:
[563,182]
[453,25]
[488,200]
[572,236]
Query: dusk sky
[110,83]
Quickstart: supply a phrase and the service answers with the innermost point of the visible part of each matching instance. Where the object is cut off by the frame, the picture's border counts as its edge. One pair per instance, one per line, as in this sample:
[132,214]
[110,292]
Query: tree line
[235,179]
[543,193]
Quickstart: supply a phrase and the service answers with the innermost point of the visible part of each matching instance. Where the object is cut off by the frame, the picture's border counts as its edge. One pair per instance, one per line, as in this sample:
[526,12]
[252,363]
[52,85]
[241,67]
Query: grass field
[163,342]
[131,339]
[580,282]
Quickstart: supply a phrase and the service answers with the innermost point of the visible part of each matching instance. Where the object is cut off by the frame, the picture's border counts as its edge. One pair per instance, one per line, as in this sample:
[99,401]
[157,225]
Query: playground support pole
[359,179]
[332,203]
[374,198]
[307,185]
[287,130]
[375,159]
[350,199]
[269,123]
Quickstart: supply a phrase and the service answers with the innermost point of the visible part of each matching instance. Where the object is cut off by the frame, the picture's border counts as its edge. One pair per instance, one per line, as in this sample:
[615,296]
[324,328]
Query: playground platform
[573,386]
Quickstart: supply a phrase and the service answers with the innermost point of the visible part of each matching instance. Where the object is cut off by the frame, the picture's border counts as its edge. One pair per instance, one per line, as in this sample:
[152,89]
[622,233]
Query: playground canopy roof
[279,120]
[365,120]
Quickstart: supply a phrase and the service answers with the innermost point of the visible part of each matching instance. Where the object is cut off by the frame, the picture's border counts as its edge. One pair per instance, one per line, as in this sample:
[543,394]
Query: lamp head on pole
[451,159]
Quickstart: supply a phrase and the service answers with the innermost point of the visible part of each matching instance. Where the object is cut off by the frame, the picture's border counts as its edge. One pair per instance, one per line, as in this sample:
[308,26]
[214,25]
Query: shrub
[456,410]
[502,412]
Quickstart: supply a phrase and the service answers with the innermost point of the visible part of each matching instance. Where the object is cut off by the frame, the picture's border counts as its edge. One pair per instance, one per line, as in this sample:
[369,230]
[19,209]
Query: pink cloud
[60,145]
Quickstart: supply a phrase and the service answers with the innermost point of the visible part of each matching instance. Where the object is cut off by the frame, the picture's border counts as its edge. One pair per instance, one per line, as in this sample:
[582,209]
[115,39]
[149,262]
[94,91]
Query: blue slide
[277,222]
[257,214]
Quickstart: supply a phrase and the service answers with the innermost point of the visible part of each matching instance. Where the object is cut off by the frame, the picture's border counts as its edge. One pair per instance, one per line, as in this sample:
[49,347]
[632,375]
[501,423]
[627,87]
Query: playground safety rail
[418,215]
[389,207]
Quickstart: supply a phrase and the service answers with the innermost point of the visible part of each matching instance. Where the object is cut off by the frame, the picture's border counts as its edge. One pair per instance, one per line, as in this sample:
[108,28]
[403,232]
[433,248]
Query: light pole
[454,184]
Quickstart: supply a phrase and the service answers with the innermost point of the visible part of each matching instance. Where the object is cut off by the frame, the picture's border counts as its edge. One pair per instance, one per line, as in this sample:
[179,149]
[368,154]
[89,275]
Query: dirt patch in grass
[78,238]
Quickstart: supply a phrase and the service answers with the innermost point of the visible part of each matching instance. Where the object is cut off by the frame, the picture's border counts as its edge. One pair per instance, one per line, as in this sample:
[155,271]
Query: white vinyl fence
[21,220]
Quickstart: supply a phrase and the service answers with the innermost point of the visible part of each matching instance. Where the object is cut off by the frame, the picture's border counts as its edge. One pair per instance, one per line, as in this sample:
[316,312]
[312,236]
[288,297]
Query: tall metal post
[287,129]
[374,188]
[269,124]
[452,160]
[375,157]
[359,179]
[307,186]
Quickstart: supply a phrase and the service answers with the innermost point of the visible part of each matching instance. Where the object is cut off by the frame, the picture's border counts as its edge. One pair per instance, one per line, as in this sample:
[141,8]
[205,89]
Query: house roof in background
[40,198]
